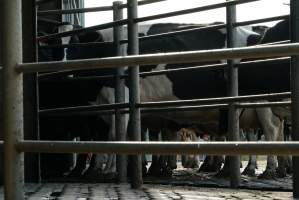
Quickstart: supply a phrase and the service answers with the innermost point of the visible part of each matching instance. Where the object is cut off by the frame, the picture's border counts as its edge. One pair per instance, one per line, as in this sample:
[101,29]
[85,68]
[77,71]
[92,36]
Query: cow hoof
[281,172]
[144,170]
[75,173]
[268,174]
[209,168]
[222,174]
[249,171]
[166,172]
[206,168]
[289,170]
[153,171]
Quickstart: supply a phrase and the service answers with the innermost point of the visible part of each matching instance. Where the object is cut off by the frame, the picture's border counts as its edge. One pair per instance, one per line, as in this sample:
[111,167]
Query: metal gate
[13,68]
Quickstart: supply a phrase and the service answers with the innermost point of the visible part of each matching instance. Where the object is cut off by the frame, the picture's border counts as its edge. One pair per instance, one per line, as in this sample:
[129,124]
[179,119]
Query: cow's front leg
[212,163]
[111,160]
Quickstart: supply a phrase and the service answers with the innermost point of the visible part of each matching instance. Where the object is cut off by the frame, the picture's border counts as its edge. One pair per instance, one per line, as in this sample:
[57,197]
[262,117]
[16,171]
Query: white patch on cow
[156,88]
[242,35]
[65,40]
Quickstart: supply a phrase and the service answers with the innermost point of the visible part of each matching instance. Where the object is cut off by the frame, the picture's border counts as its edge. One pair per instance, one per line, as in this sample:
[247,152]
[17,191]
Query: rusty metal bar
[233,87]
[120,121]
[295,91]
[134,95]
[133,148]
[170,58]
[194,10]
[12,100]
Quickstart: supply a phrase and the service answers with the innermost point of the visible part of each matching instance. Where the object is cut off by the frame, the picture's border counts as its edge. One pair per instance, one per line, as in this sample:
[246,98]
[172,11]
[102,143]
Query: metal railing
[14,145]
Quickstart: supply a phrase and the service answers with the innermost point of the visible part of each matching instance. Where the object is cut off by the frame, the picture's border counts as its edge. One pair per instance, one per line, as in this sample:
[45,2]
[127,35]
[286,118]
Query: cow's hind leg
[282,160]
[249,170]
[270,125]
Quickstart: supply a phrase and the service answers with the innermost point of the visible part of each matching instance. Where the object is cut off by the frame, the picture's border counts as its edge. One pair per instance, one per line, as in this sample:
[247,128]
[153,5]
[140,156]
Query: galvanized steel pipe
[13,100]
[169,148]
[170,58]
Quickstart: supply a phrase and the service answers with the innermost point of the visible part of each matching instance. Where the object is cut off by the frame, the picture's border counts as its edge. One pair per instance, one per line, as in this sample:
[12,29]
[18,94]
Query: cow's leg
[212,163]
[154,169]
[144,160]
[172,136]
[282,160]
[270,125]
[111,161]
[249,170]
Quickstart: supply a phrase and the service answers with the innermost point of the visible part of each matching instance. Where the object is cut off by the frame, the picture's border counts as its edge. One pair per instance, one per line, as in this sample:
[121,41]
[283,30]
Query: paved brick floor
[148,192]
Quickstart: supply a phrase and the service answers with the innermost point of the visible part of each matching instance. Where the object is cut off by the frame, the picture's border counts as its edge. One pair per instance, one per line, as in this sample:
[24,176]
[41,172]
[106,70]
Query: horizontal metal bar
[213,66]
[209,148]
[83,30]
[93,9]
[111,111]
[78,109]
[172,33]
[149,37]
[267,62]
[263,104]
[193,10]
[214,106]
[170,58]
[73,11]
[273,96]
[257,21]
[85,44]
[123,22]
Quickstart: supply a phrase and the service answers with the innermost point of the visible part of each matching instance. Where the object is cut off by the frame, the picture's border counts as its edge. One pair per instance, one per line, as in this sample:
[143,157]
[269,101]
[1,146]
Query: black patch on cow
[279,32]
[190,84]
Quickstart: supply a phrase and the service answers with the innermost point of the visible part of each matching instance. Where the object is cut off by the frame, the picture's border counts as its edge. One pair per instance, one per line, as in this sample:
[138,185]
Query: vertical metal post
[135,127]
[233,117]
[32,161]
[13,100]
[120,121]
[294,26]
[1,90]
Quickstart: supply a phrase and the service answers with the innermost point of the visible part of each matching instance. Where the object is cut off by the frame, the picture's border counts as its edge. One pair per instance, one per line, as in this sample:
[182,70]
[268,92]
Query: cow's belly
[207,118]
[248,119]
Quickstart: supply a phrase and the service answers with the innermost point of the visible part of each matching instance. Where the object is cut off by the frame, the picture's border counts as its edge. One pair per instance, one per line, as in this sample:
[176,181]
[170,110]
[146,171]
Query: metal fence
[15,145]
